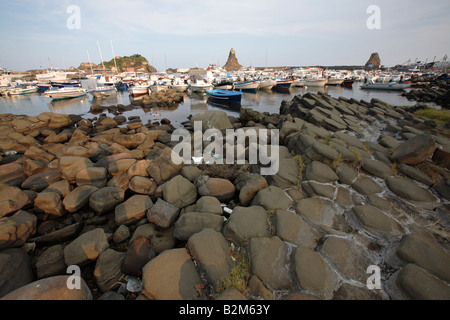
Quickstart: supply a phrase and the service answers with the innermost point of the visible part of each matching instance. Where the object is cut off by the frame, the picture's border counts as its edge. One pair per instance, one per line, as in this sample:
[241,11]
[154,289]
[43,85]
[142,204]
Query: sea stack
[374,62]
[232,63]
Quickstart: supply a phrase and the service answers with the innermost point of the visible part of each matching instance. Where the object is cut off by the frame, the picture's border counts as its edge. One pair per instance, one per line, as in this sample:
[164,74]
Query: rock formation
[374,62]
[232,63]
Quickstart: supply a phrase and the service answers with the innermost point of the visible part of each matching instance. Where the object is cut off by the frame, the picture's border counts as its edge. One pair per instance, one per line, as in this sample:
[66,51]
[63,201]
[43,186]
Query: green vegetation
[135,61]
[240,274]
[336,163]
[440,116]
[301,166]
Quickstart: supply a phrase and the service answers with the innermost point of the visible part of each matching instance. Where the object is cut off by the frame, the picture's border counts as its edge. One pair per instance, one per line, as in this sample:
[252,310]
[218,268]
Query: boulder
[86,247]
[15,270]
[78,198]
[269,262]
[208,205]
[106,199]
[41,180]
[162,168]
[272,198]
[377,168]
[246,223]
[171,276]
[294,229]
[107,271]
[375,221]
[317,211]
[212,253]
[366,186]
[121,234]
[161,240]
[163,214]
[132,210]
[179,192]
[139,253]
[248,185]
[94,176]
[408,190]
[54,288]
[193,222]
[50,203]
[414,151]
[317,171]
[142,185]
[213,119]
[11,199]
[51,262]
[59,236]
[15,230]
[221,189]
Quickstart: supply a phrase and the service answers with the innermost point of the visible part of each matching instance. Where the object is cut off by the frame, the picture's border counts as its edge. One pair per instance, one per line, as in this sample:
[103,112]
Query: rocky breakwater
[436,91]
[360,185]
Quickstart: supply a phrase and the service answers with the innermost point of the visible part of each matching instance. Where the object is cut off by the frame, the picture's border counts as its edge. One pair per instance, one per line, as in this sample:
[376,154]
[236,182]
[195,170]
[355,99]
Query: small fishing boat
[315,82]
[385,86]
[284,83]
[65,93]
[267,84]
[200,86]
[139,90]
[224,95]
[181,87]
[348,83]
[102,92]
[223,85]
[247,86]
[22,91]
[298,83]
[44,86]
[157,87]
[65,84]
[334,81]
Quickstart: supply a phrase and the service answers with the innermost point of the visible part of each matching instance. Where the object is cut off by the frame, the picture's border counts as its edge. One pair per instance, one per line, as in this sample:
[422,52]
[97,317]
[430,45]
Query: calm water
[262,101]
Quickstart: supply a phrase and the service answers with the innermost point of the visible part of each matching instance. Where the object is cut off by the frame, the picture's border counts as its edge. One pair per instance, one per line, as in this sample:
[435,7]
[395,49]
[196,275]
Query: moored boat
[225,95]
[65,93]
[179,87]
[248,85]
[139,90]
[284,83]
[101,92]
[315,82]
[200,86]
[385,86]
[348,83]
[65,84]
[298,83]
[334,81]
[267,84]
[22,91]
[223,85]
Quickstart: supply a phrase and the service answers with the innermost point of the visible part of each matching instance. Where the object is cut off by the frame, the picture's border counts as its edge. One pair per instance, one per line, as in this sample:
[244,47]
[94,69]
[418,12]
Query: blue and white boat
[66,84]
[44,86]
[225,96]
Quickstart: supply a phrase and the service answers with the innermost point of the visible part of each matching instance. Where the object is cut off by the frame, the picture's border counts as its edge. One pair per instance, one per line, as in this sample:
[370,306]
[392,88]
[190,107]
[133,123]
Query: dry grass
[440,116]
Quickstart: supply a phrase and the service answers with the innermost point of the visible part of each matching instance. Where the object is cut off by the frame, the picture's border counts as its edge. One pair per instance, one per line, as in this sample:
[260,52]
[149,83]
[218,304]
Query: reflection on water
[262,101]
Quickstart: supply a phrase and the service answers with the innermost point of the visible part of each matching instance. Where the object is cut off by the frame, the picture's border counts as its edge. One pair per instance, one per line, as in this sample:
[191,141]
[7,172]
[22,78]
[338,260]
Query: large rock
[163,214]
[212,253]
[414,151]
[221,189]
[193,222]
[15,270]
[417,284]
[162,168]
[314,273]
[11,172]
[171,276]
[293,229]
[15,230]
[78,198]
[50,203]
[54,288]
[316,210]
[232,62]
[375,221]
[208,205]
[86,247]
[246,223]
[377,168]
[248,185]
[366,186]
[106,199]
[408,190]
[51,262]
[60,235]
[95,176]
[213,119]
[107,271]
[70,166]
[269,262]
[350,259]
[272,198]
[425,253]
[11,199]
[139,253]
[142,185]
[130,141]
[320,172]
[179,192]
[161,240]
[132,210]
[41,180]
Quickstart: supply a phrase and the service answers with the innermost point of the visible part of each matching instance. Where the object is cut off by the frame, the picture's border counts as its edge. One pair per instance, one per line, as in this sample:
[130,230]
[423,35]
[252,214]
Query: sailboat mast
[115,63]
[90,64]
[101,57]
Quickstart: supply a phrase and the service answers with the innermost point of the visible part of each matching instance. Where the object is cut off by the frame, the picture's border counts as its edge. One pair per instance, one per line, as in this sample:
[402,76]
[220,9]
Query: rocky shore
[435,91]
[360,184]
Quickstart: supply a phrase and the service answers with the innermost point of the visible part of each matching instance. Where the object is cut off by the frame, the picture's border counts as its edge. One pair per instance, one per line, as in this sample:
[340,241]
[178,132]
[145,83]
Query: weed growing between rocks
[240,274]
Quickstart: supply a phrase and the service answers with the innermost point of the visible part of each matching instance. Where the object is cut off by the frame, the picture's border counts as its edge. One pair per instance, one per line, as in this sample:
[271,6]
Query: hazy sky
[189,33]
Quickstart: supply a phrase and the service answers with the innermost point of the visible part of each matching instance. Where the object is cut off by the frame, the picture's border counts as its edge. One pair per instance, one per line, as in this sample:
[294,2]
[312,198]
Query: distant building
[130,70]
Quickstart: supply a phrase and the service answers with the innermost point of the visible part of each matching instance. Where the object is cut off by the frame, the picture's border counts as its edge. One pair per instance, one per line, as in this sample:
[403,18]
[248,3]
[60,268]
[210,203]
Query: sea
[194,103]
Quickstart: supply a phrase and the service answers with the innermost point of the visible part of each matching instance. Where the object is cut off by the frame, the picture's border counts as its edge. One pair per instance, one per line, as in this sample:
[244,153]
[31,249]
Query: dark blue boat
[65,84]
[225,96]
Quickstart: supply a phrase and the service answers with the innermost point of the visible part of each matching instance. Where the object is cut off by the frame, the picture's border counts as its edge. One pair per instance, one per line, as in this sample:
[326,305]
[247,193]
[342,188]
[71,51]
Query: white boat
[335,81]
[298,83]
[386,86]
[267,84]
[139,90]
[101,92]
[315,82]
[65,93]
[179,87]
[21,91]
[157,87]
[200,86]
[248,85]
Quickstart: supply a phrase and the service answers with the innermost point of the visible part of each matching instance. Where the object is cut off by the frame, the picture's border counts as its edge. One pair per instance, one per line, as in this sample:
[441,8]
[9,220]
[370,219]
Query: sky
[190,33]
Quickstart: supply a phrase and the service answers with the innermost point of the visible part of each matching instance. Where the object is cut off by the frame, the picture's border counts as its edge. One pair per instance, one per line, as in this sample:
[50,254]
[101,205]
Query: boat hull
[179,88]
[224,96]
[266,85]
[103,92]
[284,84]
[201,88]
[65,94]
[335,82]
[139,91]
[386,86]
[19,92]
[315,82]
[249,86]
[347,83]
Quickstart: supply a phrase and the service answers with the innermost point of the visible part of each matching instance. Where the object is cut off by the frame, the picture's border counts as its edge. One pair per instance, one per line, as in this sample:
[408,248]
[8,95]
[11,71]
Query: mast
[90,64]
[115,63]
[101,57]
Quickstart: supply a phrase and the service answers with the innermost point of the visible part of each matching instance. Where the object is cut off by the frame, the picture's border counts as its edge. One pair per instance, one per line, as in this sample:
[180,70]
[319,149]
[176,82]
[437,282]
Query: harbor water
[194,103]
